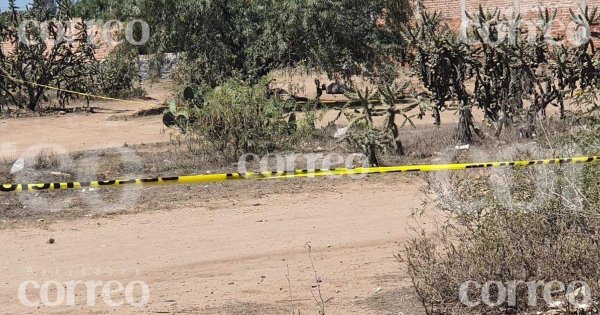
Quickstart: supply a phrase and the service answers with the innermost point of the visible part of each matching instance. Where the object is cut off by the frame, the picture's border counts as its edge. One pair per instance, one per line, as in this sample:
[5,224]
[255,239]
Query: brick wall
[451,9]
[96,34]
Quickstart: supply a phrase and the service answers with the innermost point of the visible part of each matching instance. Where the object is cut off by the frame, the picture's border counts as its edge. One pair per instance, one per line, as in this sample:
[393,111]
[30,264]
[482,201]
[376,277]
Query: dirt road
[78,133]
[110,126]
[232,258]
[231,253]
[113,125]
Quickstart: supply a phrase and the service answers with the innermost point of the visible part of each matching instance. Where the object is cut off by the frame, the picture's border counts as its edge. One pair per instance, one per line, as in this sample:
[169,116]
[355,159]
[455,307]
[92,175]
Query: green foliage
[496,242]
[101,9]
[529,227]
[363,135]
[246,39]
[236,118]
[119,73]
[509,72]
[67,64]
[443,63]
[82,75]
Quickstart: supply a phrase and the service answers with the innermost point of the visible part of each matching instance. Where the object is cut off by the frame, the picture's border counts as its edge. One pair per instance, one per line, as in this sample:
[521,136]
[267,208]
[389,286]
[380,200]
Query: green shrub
[237,118]
[119,73]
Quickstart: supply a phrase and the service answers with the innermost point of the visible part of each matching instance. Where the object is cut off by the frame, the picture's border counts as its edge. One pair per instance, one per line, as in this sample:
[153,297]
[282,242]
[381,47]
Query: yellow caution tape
[213,178]
[73,92]
[324,102]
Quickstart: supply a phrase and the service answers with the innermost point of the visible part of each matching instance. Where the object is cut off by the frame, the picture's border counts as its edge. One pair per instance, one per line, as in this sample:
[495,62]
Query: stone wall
[167,66]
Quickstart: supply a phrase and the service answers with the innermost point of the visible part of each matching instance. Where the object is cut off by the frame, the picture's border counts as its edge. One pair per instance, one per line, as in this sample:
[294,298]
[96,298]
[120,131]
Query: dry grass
[534,224]
[46,160]
[394,302]
[243,308]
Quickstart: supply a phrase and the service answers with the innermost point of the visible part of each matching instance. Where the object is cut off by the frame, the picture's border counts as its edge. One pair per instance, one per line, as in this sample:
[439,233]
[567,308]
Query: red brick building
[452,10]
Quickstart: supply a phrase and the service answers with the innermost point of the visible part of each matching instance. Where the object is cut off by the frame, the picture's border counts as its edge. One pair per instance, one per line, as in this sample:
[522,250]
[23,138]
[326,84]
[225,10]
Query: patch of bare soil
[77,130]
[44,112]
[155,111]
[226,248]
[230,248]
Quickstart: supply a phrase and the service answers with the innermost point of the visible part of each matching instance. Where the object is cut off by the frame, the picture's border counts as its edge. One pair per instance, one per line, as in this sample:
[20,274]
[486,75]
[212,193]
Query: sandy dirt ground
[112,124]
[241,255]
[233,257]
[86,131]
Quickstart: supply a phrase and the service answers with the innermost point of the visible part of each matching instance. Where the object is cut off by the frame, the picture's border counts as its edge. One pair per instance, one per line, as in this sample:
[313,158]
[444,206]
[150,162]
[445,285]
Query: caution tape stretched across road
[73,92]
[214,178]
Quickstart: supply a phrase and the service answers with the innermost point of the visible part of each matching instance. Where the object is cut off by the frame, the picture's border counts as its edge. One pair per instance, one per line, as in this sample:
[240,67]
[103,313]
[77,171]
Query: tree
[249,38]
[101,9]
[33,64]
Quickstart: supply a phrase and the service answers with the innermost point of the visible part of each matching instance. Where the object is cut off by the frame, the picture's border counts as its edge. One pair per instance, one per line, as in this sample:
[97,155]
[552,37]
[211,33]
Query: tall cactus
[444,63]
[33,64]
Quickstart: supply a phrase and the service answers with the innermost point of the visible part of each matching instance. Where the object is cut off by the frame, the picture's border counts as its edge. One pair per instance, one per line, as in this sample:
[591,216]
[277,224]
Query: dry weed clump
[46,160]
[528,225]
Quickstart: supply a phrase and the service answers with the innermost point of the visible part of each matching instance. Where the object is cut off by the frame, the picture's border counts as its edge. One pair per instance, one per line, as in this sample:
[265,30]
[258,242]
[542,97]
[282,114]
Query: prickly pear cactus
[179,114]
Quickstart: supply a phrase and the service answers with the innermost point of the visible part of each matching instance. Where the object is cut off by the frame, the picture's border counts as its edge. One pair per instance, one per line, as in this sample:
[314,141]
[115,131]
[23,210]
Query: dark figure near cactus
[333,88]
[320,88]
